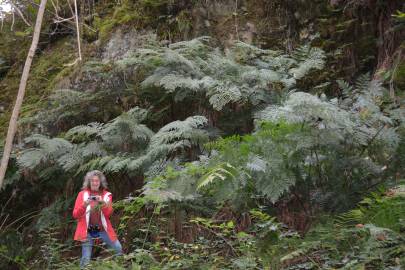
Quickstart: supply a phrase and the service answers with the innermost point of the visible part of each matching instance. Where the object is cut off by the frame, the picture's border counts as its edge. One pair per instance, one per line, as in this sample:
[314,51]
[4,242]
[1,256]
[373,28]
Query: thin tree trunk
[21,91]
[78,31]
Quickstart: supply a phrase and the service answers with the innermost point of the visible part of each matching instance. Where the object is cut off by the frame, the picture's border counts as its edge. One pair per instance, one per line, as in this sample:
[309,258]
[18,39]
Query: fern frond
[71,159]
[346,88]
[124,130]
[224,94]
[362,83]
[188,132]
[31,158]
[307,59]
[92,149]
[222,172]
[87,132]
[117,164]
[51,146]
[256,164]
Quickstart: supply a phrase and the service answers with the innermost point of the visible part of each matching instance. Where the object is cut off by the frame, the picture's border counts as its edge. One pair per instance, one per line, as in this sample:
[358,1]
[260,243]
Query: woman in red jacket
[92,211]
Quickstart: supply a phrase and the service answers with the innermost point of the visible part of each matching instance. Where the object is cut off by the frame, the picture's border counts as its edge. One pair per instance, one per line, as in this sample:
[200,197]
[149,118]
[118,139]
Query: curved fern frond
[222,172]
[31,158]
[47,150]
[180,134]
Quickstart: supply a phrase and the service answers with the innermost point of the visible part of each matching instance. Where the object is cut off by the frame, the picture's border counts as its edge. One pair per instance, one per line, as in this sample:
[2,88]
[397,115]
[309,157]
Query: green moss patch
[46,70]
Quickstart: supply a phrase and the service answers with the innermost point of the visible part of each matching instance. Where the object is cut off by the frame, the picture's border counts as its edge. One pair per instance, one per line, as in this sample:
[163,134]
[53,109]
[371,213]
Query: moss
[46,70]
[105,29]
[399,76]
[169,18]
[123,14]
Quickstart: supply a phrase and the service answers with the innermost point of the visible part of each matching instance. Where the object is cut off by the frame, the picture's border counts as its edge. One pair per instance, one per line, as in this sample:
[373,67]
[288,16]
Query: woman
[92,211]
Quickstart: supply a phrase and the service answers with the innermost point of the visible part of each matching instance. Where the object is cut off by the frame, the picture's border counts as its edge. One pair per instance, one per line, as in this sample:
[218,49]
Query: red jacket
[82,214]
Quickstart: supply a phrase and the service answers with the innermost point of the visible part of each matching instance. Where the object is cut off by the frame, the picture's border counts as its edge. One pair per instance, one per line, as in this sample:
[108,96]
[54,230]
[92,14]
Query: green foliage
[257,161]
[122,145]
[51,249]
[50,217]
[12,251]
[222,172]
[253,164]
[194,67]
[173,183]
[187,76]
[383,211]
[306,145]
[179,135]
[307,59]
[325,152]
[48,150]
[348,247]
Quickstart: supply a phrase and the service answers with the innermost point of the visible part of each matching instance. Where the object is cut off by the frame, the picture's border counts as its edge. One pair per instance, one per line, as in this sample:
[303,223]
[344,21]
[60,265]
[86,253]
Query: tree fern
[65,104]
[186,66]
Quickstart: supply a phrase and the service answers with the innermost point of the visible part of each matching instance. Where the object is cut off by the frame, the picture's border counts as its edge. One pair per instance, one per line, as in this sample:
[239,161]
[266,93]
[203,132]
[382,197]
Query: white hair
[90,175]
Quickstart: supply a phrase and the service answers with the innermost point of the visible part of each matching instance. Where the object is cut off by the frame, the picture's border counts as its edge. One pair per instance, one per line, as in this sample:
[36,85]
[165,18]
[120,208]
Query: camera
[93,228]
[94,231]
[94,198]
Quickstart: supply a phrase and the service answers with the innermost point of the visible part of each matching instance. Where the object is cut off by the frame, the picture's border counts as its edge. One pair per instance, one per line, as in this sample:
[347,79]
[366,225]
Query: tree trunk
[78,31]
[21,91]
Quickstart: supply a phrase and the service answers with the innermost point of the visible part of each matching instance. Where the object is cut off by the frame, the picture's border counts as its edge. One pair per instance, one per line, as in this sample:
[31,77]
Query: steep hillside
[233,134]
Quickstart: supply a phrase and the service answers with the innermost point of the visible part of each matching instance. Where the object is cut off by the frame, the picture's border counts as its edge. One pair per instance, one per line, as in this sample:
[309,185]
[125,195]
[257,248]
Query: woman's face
[95,183]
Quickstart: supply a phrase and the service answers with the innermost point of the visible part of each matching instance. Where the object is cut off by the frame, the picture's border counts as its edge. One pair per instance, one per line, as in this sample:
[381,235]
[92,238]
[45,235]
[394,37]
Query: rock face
[121,43]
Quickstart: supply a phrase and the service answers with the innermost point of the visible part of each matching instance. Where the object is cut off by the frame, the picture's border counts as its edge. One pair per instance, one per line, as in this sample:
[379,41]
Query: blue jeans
[88,245]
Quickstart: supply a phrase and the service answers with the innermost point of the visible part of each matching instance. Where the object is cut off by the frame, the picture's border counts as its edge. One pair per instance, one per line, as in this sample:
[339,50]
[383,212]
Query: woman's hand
[98,200]
[101,201]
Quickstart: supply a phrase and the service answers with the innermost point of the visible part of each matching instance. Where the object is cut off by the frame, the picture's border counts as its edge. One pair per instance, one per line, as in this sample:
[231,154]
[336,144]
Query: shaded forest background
[234,134]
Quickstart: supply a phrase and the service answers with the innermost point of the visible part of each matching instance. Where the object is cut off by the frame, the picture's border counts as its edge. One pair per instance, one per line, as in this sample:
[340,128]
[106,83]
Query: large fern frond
[181,134]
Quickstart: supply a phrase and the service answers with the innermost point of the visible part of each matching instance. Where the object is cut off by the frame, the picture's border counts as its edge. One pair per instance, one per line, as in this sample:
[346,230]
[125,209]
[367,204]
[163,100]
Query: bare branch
[20,13]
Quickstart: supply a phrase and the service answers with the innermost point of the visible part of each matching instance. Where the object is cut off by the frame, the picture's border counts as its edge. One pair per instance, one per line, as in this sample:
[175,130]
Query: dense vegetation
[234,134]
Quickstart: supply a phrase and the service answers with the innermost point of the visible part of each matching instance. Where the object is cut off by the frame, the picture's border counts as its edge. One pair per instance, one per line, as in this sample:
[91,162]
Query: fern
[31,158]
[307,59]
[126,129]
[222,172]
[82,132]
[340,123]
[48,150]
[180,134]
[71,160]
[185,67]
[377,209]
[224,94]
